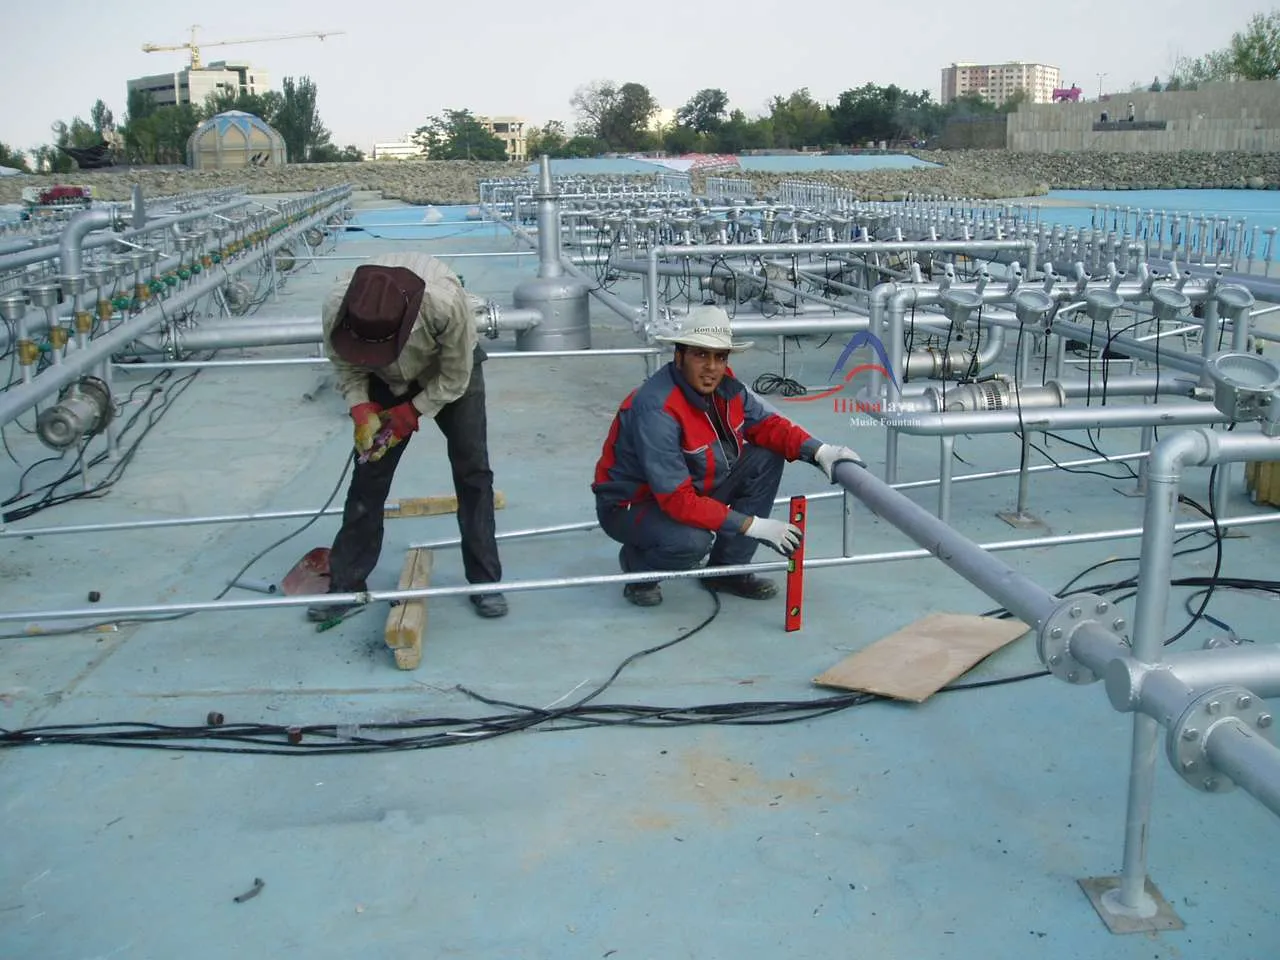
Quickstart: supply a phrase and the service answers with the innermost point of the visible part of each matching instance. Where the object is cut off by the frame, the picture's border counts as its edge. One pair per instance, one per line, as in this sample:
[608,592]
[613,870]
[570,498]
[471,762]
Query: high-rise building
[997,82]
[194,86]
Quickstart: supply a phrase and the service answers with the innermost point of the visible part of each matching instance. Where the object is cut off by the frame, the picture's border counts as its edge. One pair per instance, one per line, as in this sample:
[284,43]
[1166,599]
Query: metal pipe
[17,401]
[97,614]
[771,326]
[611,300]
[1176,359]
[1040,418]
[863,246]
[548,223]
[70,249]
[1247,758]
[227,336]
[312,361]
[10,531]
[1163,478]
[25,258]
[933,364]
[292,330]
[1022,597]
[1135,685]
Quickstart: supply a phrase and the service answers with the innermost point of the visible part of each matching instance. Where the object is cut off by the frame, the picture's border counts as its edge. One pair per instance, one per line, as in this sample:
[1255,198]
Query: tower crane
[194,47]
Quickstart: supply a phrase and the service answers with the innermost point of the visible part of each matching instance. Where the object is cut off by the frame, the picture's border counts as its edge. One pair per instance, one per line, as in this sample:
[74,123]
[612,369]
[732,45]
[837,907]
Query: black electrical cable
[230,582]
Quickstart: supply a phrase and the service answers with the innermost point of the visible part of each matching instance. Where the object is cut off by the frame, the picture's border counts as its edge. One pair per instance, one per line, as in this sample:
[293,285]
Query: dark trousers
[653,541]
[358,544]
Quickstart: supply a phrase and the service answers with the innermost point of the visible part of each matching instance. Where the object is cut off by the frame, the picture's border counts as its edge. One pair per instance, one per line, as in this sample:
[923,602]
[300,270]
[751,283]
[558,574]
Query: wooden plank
[923,657]
[432,506]
[407,621]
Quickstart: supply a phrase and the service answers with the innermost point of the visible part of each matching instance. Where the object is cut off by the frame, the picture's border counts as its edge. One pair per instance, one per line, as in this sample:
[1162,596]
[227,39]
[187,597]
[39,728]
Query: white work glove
[828,456]
[783,537]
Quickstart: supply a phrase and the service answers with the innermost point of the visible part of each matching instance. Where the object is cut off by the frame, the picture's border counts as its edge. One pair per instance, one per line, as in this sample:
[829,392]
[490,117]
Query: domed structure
[235,139]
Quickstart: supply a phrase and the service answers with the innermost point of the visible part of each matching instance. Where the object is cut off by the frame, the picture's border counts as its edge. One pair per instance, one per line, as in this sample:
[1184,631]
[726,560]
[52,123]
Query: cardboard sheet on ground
[923,657]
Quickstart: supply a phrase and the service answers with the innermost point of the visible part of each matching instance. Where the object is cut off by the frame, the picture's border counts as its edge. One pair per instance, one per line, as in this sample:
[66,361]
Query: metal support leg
[1147,438]
[1019,516]
[846,527]
[891,455]
[1131,903]
[946,454]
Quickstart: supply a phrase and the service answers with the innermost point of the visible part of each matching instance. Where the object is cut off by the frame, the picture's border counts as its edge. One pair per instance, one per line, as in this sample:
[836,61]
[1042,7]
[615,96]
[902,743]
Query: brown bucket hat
[377,314]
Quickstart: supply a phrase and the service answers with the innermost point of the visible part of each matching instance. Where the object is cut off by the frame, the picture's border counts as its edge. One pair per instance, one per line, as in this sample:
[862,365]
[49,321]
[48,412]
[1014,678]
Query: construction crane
[194,47]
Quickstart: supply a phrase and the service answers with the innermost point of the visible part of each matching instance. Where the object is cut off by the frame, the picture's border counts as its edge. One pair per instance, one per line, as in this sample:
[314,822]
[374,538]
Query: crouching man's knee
[681,548]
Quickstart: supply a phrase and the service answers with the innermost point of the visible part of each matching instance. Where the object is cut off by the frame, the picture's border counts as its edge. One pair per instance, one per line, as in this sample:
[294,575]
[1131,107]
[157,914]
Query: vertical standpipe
[560,298]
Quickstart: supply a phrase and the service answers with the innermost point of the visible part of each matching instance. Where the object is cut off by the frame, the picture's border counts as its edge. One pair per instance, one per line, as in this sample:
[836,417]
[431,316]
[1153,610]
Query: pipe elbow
[1185,447]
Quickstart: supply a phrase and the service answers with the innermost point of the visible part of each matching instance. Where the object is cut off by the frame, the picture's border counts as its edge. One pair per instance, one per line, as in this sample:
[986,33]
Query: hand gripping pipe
[18,400]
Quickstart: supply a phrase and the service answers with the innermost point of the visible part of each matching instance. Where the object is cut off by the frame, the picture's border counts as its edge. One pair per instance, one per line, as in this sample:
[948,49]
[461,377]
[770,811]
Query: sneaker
[321,612]
[746,585]
[643,594]
[489,605]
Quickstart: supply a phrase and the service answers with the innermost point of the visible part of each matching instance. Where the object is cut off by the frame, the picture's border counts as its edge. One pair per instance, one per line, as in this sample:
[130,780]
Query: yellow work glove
[368,421]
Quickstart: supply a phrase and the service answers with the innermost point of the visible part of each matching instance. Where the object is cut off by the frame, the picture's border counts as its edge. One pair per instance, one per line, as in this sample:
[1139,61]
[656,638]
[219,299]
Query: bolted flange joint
[492,315]
[1054,640]
[1187,741]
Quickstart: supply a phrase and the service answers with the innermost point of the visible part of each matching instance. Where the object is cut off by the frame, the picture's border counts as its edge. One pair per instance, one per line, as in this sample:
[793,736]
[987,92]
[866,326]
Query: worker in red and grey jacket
[692,456]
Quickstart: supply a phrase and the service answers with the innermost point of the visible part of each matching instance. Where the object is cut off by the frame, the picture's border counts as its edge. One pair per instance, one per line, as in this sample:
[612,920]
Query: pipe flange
[1054,640]
[1186,740]
[493,315]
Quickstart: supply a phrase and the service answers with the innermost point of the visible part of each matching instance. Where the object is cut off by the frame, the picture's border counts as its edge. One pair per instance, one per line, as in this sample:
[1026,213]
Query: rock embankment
[1122,171]
[980,174]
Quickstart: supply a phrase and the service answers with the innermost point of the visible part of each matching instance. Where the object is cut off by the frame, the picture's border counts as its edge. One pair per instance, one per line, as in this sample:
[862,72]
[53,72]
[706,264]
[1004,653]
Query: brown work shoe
[746,585]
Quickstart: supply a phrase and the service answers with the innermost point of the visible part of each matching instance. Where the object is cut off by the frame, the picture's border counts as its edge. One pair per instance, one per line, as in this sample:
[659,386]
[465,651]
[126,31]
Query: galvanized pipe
[11,532]
[611,300]
[70,250]
[288,330]
[14,402]
[98,614]
[1040,418]
[25,258]
[645,352]
[1163,477]
[1248,758]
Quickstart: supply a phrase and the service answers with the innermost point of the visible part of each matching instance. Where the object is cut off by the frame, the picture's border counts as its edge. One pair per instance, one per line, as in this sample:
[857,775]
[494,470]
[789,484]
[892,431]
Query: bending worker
[402,338]
[692,453]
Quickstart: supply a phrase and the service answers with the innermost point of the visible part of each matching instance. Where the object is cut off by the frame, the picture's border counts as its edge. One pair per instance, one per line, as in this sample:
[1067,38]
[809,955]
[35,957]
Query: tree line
[619,118]
[151,134]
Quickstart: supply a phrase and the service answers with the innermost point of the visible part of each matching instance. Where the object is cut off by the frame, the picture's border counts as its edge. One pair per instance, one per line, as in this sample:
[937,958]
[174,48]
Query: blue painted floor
[953,829]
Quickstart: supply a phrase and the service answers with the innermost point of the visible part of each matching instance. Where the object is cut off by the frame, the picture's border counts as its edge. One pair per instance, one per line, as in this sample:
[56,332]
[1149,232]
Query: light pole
[1100,78]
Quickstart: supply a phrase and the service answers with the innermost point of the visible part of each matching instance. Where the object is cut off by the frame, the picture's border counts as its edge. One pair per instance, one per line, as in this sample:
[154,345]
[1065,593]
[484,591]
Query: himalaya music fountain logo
[849,404]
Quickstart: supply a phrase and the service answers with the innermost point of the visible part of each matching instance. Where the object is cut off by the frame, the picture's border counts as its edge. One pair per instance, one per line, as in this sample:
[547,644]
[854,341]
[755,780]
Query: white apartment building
[402,149]
[997,82]
[194,86]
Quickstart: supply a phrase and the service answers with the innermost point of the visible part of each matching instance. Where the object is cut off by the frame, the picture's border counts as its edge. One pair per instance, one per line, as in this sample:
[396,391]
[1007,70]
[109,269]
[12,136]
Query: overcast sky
[398,61]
